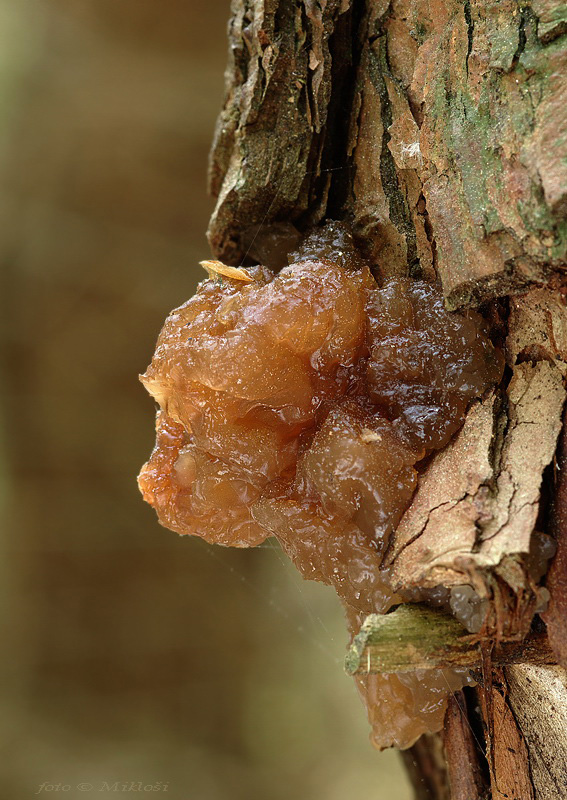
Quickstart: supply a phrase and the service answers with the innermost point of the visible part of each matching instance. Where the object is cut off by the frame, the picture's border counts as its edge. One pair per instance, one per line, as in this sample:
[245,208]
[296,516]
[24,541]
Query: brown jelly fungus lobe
[298,405]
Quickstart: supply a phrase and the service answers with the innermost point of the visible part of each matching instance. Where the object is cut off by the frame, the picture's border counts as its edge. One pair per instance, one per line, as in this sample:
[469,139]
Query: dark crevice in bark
[474,717]
[470,31]
[345,53]
[545,512]
[399,212]
[467,767]
[497,314]
[522,38]
[428,228]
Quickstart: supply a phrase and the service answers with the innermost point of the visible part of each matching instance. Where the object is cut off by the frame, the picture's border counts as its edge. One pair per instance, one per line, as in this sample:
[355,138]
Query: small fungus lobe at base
[298,405]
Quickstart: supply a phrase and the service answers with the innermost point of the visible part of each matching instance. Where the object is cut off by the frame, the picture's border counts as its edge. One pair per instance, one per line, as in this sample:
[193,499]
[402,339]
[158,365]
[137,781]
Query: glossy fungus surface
[298,405]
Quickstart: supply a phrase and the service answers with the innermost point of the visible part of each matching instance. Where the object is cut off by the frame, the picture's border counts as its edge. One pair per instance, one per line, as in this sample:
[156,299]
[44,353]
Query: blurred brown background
[131,654]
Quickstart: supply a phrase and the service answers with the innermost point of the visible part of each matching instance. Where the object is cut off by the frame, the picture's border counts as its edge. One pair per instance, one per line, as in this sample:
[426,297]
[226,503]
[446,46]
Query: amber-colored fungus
[297,406]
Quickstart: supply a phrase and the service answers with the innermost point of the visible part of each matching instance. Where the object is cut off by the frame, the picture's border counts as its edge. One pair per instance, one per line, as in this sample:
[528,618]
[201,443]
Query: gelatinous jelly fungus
[297,405]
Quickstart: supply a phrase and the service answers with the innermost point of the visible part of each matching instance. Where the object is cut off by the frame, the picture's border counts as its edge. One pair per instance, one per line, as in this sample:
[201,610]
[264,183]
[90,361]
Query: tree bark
[438,130]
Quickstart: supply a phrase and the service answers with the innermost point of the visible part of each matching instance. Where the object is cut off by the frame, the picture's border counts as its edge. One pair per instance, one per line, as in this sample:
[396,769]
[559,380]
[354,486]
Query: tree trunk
[438,129]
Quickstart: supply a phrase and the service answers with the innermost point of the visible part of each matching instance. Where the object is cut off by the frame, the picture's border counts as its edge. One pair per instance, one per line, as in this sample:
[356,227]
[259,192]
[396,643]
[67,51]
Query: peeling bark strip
[418,637]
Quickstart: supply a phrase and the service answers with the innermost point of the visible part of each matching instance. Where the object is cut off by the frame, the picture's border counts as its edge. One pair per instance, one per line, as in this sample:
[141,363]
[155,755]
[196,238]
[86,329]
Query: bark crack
[398,209]
[470,32]
[522,37]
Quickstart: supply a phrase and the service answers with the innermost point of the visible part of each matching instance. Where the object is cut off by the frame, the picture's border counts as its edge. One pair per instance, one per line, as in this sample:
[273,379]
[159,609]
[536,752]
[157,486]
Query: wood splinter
[417,637]
[216,268]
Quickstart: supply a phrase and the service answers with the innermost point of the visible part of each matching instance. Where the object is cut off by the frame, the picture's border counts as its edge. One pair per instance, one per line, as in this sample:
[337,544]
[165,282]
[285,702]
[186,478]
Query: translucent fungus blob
[299,406]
